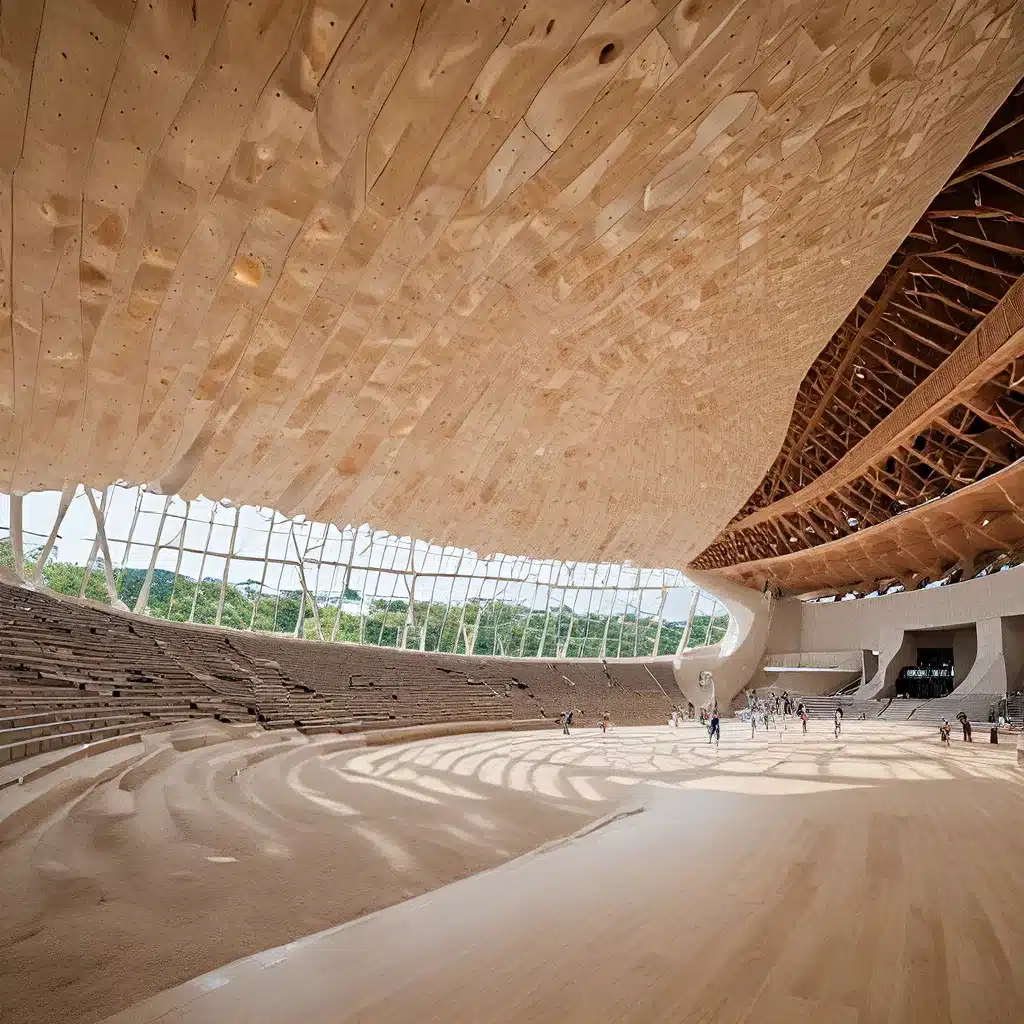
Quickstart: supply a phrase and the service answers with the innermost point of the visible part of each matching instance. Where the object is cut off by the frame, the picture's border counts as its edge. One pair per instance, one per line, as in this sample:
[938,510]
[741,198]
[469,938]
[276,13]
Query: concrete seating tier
[70,671]
[652,677]
[976,705]
[901,709]
[31,741]
[1015,709]
[825,707]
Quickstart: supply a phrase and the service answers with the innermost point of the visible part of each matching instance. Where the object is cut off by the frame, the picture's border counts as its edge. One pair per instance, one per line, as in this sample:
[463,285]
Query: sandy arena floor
[784,878]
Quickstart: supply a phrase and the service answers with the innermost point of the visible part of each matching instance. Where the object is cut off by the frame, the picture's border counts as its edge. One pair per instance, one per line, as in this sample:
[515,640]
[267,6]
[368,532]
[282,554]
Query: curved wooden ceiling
[537,277]
[918,396]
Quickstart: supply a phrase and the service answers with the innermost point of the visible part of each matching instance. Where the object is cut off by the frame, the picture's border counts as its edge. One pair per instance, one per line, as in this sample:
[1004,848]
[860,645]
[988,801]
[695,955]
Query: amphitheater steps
[976,706]
[39,730]
[20,749]
[901,709]
[82,662]
[825,707]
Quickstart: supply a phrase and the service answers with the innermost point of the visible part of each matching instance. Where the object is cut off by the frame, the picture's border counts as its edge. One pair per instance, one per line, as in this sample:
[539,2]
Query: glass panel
[364,586]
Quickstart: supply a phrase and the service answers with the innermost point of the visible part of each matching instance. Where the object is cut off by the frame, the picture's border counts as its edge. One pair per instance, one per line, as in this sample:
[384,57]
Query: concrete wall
[809,682]
[965,651]
[900,650]
[988,673]
[811,673]
[988,656]
[845,625]
[1013,652]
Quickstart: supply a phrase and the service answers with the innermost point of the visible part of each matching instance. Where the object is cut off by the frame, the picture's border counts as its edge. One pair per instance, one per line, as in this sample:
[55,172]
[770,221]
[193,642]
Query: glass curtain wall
[250,568]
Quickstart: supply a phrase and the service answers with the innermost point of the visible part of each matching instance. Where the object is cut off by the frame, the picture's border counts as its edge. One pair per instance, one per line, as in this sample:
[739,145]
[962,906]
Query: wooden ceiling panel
[537,277]
[918,394]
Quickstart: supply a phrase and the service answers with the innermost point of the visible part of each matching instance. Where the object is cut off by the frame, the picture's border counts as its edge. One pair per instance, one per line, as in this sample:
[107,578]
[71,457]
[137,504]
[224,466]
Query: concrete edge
[73,754]
[408,733]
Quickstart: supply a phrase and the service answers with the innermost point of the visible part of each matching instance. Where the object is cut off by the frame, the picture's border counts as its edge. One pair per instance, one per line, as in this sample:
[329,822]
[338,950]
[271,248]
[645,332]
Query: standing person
[801,713]
[714,730]
[604,722]
[838,716]
[965,723]
[944,730]
[566,719]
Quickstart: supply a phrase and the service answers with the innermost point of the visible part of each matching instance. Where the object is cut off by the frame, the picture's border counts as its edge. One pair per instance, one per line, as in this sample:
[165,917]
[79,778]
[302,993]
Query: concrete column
[898,650]
[1013,652]
[733,661]
[988,674]
[1020,750]
[869,665]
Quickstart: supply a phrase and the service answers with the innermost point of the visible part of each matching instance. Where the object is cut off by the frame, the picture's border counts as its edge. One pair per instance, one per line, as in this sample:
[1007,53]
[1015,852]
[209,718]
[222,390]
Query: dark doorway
[932,676]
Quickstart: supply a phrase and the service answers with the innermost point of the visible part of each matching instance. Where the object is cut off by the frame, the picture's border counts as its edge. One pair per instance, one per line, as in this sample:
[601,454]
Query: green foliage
[477,627]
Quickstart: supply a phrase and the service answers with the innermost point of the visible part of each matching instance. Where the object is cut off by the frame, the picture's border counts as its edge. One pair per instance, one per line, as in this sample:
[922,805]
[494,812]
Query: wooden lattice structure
[918,396]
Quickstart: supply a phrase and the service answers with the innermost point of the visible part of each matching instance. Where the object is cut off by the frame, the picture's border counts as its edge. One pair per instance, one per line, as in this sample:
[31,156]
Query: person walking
[714,730]
[838,716]
[965,723]
[566,719]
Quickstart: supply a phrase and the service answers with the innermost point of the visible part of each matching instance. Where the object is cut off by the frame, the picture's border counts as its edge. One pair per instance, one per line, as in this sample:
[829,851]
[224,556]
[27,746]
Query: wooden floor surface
[792,880]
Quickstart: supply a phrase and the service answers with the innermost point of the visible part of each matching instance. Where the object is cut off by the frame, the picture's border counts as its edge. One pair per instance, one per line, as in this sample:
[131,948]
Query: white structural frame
[556,597]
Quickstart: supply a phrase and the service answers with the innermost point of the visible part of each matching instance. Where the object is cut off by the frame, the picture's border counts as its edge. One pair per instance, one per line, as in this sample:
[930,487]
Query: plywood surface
[869,879]
[537,277]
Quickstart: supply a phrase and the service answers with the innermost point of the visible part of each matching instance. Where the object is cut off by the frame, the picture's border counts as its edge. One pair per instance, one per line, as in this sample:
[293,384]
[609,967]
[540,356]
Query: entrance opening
[932,676]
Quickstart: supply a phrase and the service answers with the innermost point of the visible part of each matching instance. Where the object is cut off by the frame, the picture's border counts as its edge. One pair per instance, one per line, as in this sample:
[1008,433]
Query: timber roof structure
[536,277]
[916,400]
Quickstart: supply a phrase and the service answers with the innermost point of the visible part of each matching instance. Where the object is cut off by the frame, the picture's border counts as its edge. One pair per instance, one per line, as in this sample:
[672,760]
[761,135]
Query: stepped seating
[934,711]
[354,687]
[19,743]
[652,677]
[825,707]
[901,709]
[71,673]
[584,673]
[913,712]
[1015,709]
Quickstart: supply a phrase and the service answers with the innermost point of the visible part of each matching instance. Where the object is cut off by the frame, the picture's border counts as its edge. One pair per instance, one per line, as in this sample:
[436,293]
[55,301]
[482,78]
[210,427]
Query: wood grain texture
[860,881]
[539,276]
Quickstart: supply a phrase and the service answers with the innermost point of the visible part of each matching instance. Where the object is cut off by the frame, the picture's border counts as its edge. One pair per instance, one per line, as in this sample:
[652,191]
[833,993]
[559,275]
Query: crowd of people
[775,709]
[770,710]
